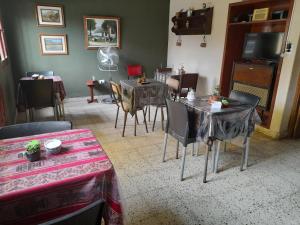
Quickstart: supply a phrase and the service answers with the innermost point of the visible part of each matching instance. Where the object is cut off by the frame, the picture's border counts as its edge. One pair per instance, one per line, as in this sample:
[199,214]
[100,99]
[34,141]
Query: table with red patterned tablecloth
[34,192]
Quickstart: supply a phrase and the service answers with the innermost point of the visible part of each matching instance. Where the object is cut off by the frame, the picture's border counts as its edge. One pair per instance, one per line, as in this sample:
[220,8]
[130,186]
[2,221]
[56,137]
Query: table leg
[209,146]
[91,88]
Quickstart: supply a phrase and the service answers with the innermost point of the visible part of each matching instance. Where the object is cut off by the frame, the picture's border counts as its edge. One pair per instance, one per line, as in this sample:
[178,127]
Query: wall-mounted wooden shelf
[200,22]
[265,22]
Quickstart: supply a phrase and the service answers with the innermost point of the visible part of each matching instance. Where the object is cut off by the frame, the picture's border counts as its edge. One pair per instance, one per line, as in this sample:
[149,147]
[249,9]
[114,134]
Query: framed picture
[260,14]
[101,31]
[55,44]
[50,15]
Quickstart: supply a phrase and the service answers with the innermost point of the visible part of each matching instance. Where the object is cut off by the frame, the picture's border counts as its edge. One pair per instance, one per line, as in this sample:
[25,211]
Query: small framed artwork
[50,15]
[101,31]
[260,14]
[55,44]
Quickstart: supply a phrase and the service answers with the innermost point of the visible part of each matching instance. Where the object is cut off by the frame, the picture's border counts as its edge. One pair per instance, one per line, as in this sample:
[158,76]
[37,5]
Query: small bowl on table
[53,146]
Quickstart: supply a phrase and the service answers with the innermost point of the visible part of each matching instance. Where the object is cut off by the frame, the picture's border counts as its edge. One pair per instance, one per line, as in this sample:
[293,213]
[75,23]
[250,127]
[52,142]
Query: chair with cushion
[44,73]
[39,94]
[27,129]
[89,215]
[134,71]
[179,125]
[117,96]
[248,99]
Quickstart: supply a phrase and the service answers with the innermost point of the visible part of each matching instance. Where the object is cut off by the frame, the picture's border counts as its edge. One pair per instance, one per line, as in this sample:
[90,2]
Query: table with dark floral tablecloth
[32,192]
[137,95]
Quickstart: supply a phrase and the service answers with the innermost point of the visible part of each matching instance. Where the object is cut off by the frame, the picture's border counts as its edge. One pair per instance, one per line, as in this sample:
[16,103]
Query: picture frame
[49,15]
[260,14]
[53,44]
[101,31]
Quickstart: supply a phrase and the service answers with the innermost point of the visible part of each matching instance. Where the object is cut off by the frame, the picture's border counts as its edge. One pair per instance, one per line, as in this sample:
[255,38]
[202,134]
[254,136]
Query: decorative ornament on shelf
[187,24]
[203,43]
[179,41]
[189,12]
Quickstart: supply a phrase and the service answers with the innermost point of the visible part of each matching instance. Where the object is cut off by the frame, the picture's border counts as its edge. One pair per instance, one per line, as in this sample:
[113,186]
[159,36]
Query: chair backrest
[27,129]
[116,91]
[38,93]
[178,121]
[246,98]
[188,81]
[89,215]
[134,70]
[45,73]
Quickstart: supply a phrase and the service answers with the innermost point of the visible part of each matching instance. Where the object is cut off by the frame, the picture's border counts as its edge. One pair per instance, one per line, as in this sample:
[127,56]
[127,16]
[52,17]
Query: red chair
[134,71]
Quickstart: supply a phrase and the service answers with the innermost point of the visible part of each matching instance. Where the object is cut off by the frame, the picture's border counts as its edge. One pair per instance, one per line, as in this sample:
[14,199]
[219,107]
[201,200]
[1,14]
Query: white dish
[53,146]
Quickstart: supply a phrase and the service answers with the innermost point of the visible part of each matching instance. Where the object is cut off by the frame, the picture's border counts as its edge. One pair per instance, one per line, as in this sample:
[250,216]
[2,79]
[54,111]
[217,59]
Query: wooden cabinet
[255,79]
[246,77]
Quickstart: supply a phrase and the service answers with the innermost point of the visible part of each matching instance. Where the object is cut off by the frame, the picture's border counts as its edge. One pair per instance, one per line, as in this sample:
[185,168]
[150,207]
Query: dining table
[225,123]
[138,95]
[57,184]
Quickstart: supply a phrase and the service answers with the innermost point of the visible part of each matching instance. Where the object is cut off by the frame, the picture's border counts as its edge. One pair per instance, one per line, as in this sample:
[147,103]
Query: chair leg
[55,112]
[193,151]
[162,117]
[243,158]
[217,156]
[209,145]
[149,113]
[214,150]
[125,120]
[154,118]
[117,116]
[135,119]
[198,150]
[63,110]
[145,121]
[165,147]
[177,150]
[247,152]
[183,163]
[225,146]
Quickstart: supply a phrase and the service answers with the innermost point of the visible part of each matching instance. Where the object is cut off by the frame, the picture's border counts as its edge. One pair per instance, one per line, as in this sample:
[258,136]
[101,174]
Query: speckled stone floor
[268,192]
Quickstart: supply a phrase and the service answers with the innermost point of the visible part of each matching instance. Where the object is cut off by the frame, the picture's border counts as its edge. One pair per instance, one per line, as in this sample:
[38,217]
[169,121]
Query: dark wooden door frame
[294,124]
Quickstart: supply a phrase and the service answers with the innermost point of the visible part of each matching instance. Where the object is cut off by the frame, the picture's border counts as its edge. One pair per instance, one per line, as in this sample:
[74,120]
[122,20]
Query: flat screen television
[265,46]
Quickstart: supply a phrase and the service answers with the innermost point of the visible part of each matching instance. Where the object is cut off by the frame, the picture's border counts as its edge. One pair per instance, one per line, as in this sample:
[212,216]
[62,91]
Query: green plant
[33,146]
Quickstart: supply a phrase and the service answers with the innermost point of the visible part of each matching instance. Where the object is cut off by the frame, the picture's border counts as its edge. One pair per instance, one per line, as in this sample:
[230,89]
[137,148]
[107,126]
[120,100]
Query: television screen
[263,46]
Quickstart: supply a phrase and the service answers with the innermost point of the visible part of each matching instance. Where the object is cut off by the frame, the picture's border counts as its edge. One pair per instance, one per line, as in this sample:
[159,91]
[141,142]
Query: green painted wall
[144,31]
[7,84]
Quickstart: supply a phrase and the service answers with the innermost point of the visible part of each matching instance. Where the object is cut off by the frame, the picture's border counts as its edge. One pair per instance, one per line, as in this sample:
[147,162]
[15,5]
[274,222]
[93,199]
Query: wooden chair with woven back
[118,99]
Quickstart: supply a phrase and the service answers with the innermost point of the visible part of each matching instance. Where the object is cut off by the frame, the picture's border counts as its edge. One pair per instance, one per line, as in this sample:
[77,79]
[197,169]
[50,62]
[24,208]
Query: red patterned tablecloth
[82,173]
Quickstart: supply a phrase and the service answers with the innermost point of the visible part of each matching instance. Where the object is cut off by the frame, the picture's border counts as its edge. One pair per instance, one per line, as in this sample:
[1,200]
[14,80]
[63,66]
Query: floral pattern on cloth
[222,124]
[137,95]
[32,192]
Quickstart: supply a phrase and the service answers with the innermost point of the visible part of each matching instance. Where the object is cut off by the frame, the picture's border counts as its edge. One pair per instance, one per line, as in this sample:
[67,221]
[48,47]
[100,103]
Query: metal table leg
[209,146]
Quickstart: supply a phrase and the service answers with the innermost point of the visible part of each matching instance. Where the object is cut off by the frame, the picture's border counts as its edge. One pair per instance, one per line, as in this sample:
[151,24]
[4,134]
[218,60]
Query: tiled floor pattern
[268,192]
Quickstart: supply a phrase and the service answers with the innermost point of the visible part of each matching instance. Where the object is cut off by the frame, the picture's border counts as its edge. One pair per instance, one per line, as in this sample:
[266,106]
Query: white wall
[208,61]
[205,61]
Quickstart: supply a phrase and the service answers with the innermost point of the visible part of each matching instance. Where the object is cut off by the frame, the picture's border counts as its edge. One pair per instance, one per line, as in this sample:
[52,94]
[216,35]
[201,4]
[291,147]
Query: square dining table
[137,95]
[35,192]
[236,119]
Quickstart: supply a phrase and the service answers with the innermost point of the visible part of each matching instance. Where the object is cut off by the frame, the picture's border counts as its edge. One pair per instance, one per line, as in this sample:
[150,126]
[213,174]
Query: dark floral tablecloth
[32,192]
[137,96]
[237,119]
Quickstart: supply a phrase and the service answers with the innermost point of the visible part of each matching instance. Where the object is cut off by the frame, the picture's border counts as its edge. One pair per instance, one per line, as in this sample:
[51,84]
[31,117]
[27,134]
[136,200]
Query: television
[263,46]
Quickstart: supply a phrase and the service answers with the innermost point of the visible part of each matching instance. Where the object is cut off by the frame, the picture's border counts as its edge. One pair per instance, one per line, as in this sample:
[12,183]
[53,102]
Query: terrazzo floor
[268,192]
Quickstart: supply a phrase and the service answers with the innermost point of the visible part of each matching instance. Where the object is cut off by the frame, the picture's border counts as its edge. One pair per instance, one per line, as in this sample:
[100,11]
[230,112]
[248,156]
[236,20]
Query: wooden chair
[180,85]
[117,96]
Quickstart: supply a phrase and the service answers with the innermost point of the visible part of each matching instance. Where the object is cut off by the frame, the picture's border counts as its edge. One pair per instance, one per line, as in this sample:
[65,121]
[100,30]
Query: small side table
[91,85]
